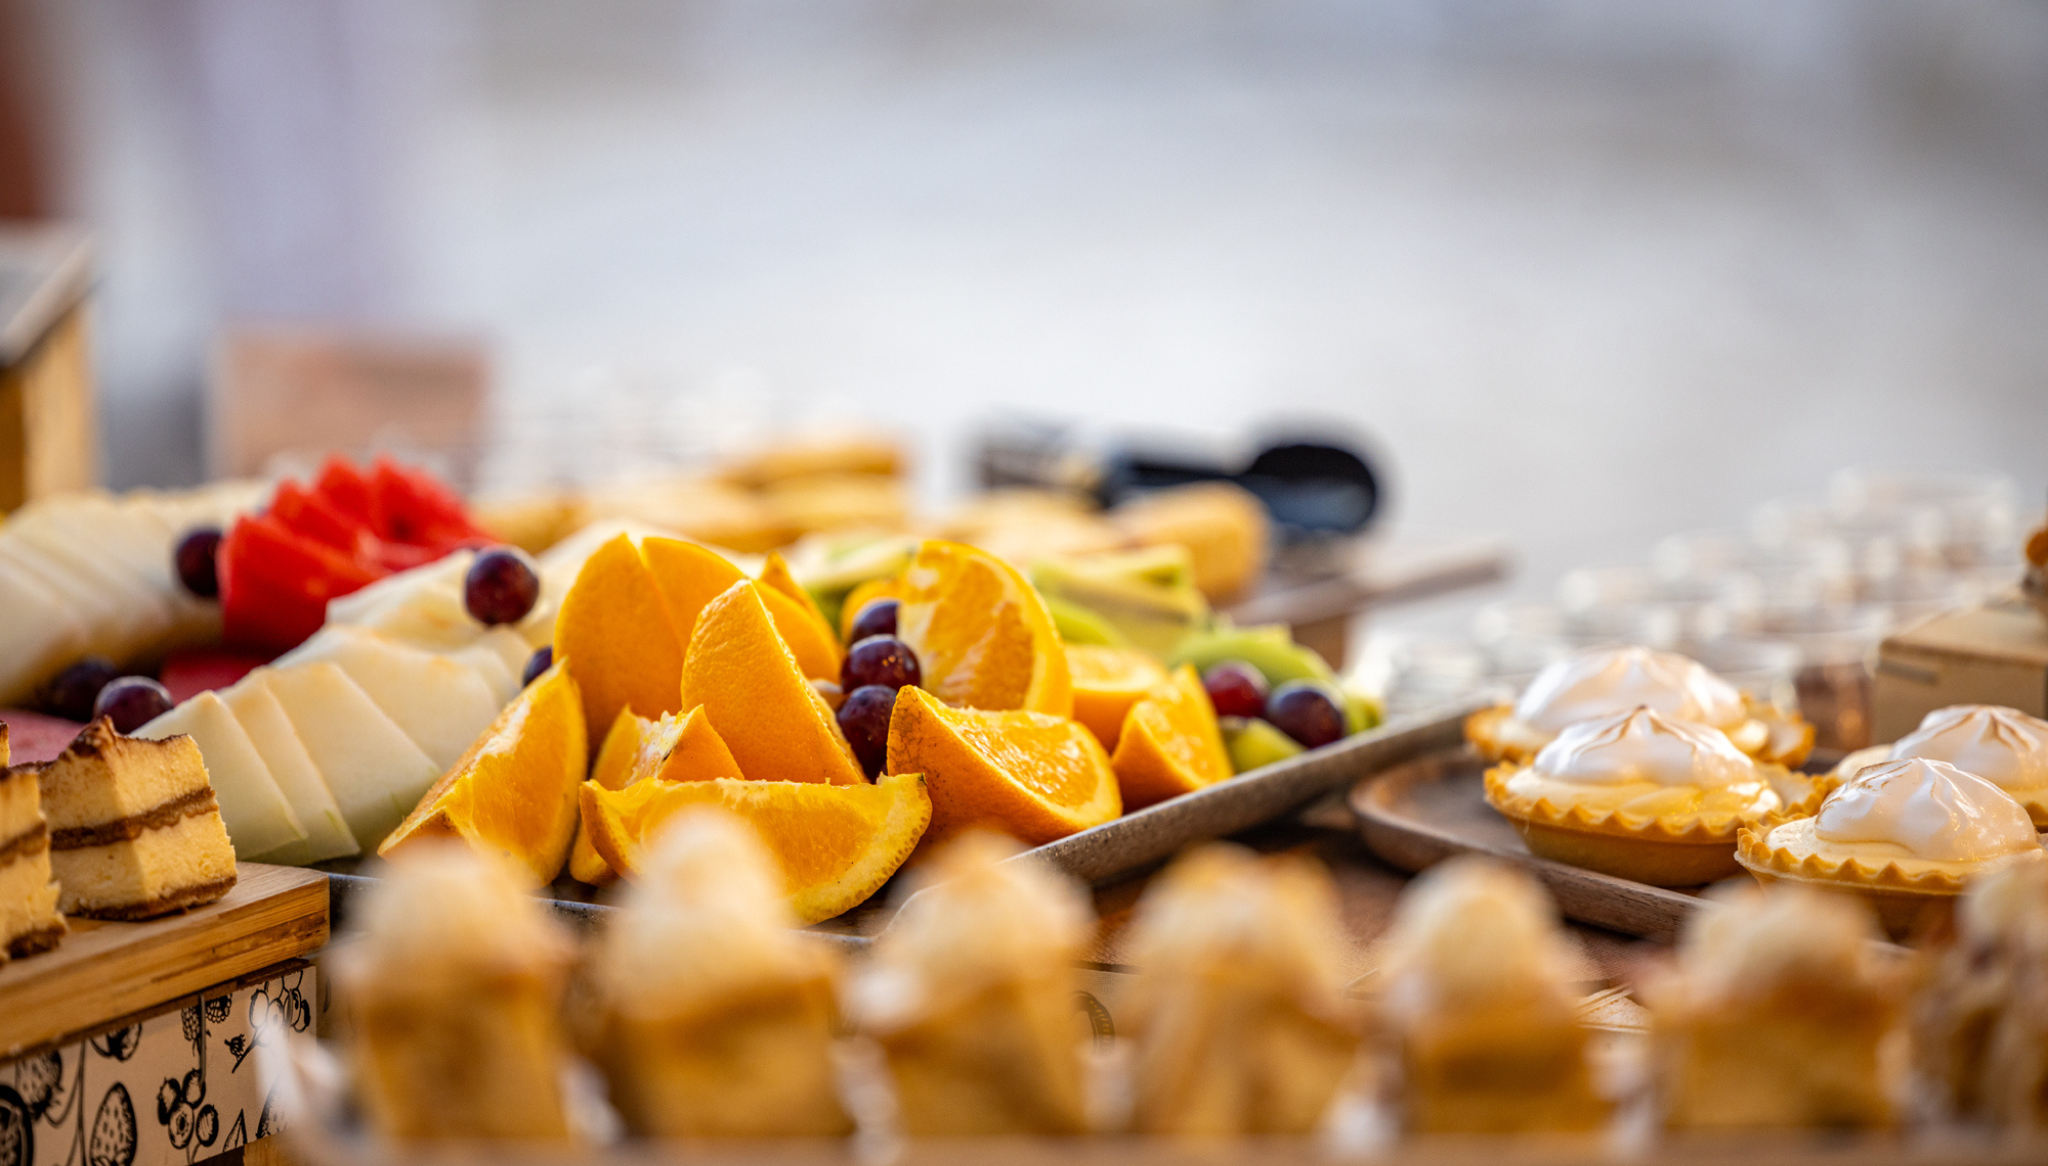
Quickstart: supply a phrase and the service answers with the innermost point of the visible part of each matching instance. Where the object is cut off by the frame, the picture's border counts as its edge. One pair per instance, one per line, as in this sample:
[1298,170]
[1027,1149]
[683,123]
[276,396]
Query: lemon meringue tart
[1606,681]
[1779,1014]
[1480,1008]
[1907,835]
[1640,796]
[716,1013]
[2004,746]
[1237,1008]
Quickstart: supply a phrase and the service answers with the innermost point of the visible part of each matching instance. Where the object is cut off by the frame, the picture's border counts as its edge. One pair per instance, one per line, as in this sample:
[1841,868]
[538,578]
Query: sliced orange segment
[514,792]
[614,633]
[1033,776]
[809,637]
[983,636]
[862,595]
[775,576]
[614,764]
[1171,743]
[690,577]
[685,749]
[836,845]
[1107,682]
[748,682]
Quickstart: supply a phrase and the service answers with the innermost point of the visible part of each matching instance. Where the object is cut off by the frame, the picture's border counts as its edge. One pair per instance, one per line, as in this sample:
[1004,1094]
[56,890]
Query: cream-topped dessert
[1905,830]
[1609,681]
[1638,794]
[2004,746]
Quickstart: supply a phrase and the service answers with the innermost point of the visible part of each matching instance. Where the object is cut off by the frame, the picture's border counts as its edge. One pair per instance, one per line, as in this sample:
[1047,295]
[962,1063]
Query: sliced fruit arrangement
[278,569]
[92,576]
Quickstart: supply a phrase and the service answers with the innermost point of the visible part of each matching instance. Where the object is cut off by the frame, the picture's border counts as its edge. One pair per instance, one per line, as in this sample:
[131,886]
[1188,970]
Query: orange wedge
[983,636]
[862,595]
[1171,744]
[1107,682]
[836,845]
[614,764]
[614,632]
[752,691]
[1033,776]
[690,577]
[514,792]
[686,749]
[775,576]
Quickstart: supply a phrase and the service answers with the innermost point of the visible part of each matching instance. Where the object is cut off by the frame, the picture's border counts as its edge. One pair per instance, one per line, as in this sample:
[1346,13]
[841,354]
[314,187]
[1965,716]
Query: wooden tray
[1431,807]
[104,971]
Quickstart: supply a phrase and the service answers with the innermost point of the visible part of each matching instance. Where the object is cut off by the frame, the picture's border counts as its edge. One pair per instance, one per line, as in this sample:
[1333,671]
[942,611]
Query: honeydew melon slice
[39,634]
[270,731]
[140,615]
[373,769]
[440,702]
[491,666]
[258,817]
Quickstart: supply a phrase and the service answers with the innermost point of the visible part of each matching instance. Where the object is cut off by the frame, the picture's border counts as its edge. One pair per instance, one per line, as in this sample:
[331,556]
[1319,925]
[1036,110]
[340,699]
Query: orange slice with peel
[690,577]
[862,595]
[611,769]
[836,845]
[614,632]
[1033,776]
[514,793]
[1171,743]
[750,688]
[682,749]
[1107,682]
[982,636]
[775,576]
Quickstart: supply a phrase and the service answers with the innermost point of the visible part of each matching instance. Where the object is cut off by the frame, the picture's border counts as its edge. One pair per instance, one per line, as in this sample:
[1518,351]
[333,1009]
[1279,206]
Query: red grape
[1305,711]
[195,560]
[501,586]
[132,702]
[882,660]
[1236,689]
[864,718]
[72,693]
[877,617]
[543,658]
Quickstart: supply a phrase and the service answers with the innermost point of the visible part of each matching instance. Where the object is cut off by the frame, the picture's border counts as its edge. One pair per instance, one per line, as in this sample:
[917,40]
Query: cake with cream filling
[135,831]
[29,921]
[1604,682]
[1641,796]
[2004,746]
[1906,835]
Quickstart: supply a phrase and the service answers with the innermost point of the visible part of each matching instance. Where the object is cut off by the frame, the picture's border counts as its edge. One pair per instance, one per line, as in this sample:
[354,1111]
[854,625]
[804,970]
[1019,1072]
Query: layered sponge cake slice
[29,921]
[135,831]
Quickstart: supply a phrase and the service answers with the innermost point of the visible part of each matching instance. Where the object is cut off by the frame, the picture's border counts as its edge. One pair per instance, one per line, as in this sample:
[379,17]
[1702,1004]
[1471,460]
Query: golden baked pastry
[29,920]
[1237,1007]
[715,1013]
[1224,527]
[2004,746]
[1777,1016]
[1479,1006]
[970,994]
[454,991]
[1638,795]
[1906,835]
[1606,681]
[1979,1013]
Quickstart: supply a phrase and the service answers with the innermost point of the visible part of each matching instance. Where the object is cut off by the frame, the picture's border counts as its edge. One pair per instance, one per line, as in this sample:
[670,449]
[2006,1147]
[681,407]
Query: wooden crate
[49,427]
[1994,654]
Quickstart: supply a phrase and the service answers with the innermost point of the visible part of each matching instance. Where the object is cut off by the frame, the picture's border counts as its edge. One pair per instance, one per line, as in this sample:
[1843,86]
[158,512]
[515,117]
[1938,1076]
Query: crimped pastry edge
[1483,731]
[1754,851]
[1683,829]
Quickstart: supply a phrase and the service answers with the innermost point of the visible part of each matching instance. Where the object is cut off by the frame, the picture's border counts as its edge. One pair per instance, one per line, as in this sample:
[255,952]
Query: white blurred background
[1588,271]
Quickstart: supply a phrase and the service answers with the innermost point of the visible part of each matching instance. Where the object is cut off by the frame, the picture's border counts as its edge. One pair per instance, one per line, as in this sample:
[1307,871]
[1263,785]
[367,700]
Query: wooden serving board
[104,971]
[1427,809]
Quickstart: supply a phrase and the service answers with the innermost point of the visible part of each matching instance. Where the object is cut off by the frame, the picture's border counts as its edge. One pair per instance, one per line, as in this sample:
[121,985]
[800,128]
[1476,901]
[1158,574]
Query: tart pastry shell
[1673,850]
[1770,735]
[1905,903]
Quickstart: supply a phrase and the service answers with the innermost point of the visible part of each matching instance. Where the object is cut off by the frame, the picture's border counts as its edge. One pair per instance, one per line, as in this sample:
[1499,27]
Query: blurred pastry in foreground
[1479,1003]
[970,993]
[1640,796]
[1605,681]
[1237,1006]
[716,1012]
[29,921]
[1777,1016]
[1908,836]
[2004,746]
[1980,1005]
[454,989]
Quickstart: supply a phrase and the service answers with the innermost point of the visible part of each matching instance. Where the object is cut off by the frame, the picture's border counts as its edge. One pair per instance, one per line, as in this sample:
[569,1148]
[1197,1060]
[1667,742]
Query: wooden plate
[1429,808]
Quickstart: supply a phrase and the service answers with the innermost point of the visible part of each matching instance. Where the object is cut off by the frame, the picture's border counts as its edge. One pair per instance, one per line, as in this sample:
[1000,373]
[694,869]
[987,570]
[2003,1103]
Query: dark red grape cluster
[1302,709]
[876,666]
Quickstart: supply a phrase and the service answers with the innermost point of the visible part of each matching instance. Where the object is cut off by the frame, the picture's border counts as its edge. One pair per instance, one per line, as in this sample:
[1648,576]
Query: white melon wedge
[489,665]
[512,650]
[422,606]
[140,614]
[258,818]
[39,634]
[374,770]
[441,703]
[271,732]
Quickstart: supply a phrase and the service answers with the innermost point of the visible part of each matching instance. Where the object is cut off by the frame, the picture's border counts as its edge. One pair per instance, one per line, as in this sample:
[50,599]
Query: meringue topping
[2003,746]
[1929,808]
[1615,680]
[1643,745]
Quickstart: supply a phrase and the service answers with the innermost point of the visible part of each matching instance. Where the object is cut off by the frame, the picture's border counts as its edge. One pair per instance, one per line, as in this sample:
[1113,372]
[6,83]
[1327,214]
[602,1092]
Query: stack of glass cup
[1791,610]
